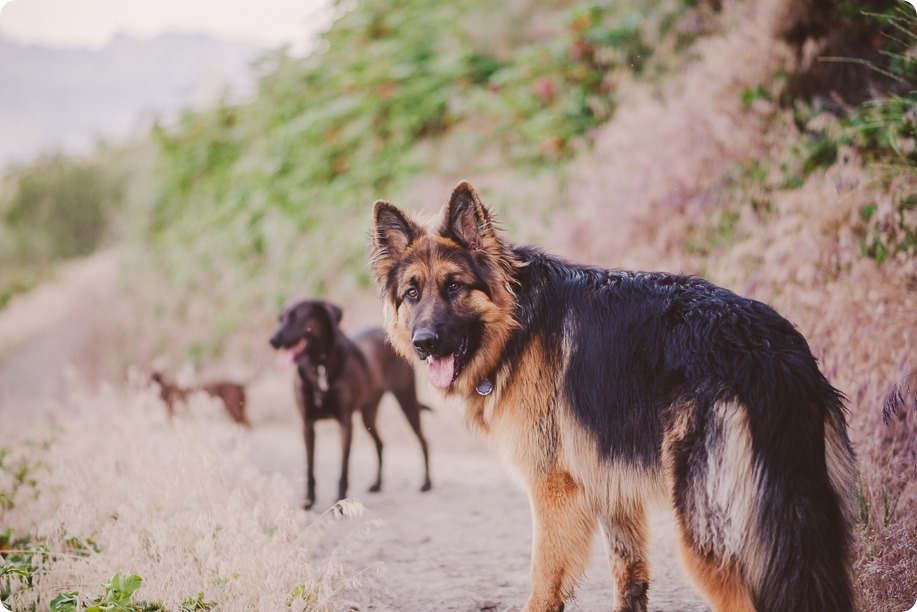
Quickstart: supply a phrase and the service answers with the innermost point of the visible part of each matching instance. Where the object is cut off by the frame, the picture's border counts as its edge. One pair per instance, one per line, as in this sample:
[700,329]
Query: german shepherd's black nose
[275,340]
[425,341]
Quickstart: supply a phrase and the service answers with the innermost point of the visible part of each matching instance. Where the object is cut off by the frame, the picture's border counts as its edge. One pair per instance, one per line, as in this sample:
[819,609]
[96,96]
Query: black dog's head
[308,330]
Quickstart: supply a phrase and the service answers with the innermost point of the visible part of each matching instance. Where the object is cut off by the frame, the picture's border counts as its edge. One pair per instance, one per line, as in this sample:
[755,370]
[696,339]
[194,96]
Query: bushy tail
[805,511]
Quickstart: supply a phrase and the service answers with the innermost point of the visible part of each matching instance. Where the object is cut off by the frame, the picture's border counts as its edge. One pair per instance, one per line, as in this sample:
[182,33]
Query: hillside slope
[660,191]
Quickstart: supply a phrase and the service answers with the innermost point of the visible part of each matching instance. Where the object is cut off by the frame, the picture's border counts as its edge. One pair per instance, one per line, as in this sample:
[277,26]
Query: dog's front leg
[346,438]
[563,527]
[627,551]
[309,435]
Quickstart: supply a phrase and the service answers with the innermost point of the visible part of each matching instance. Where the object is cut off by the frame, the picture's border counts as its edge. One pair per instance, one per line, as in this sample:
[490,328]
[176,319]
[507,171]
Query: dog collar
[484,387]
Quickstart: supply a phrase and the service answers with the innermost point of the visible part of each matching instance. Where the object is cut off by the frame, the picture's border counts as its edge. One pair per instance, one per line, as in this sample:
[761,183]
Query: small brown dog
[231,394]
[338,375]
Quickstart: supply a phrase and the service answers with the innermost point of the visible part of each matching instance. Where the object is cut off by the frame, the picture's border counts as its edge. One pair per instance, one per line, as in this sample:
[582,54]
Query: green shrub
[266,199]
[58,208]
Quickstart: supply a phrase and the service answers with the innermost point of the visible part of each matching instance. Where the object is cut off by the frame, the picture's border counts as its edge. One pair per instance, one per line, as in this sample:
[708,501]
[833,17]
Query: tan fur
[563,527]
[520,421]
[626,536]
[720,545]
[722,584]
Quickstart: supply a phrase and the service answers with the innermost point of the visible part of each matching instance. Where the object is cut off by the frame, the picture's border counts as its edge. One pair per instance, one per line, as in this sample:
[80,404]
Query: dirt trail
[463,546]
[46,331]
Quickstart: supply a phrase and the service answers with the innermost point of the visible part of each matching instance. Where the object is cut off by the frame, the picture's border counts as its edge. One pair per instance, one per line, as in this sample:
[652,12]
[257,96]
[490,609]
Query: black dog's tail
[806,475]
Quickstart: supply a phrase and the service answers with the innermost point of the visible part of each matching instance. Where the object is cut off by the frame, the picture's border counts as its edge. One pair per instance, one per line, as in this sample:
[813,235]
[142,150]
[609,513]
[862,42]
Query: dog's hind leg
[407,399]
[563,527]
[626,534]
[346,439]
[719,581]
[369,420]
[309,436]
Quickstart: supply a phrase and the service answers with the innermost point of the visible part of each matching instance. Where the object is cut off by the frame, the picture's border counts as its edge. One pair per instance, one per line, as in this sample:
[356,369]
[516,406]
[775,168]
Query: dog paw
[532,606]
[634,598]
[426,487]
[308,503]
[376,488]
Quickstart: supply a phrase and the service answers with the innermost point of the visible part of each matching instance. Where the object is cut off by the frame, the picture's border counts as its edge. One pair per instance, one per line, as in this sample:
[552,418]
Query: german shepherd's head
[448,290]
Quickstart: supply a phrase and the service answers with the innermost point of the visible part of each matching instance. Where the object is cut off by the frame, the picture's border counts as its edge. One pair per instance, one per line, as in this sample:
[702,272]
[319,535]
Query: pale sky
[92,23]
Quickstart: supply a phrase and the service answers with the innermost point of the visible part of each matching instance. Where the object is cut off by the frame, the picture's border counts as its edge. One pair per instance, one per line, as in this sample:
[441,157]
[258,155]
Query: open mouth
[290,354]
[442,371]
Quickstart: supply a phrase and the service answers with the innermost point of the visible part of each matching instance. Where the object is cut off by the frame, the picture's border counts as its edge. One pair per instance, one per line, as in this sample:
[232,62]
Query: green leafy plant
[24,559]
[16,473]
[889,234]
[117,596]
[196,604]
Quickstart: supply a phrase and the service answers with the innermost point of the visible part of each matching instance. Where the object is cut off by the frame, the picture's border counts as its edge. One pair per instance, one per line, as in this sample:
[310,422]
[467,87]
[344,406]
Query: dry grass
[183,506]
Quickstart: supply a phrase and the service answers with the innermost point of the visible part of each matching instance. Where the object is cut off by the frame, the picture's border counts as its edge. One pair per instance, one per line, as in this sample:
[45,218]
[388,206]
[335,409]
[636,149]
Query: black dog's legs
[309,434]
[369,417]
[346,439]
[407,399]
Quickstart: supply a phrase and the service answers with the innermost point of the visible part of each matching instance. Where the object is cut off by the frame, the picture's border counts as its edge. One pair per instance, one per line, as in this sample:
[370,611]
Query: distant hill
[66,99]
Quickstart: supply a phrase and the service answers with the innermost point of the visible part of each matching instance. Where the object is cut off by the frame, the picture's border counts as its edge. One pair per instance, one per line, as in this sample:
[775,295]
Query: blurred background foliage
[250,203]
[56,209]
[285,181]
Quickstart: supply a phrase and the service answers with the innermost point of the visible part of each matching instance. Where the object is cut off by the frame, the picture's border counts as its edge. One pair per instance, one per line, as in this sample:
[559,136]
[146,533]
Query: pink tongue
[440,370]
[287,357]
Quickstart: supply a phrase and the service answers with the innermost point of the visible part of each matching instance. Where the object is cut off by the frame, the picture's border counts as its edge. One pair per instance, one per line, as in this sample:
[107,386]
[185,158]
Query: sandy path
[47,330]
[463,546]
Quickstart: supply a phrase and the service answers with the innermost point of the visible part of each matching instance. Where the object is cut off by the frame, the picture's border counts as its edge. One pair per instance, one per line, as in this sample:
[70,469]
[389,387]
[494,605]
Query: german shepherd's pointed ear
[393,233]
[468,221]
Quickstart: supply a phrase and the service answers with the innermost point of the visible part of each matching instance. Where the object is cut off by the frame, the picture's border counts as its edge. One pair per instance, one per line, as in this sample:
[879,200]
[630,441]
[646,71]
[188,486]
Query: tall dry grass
[183,505]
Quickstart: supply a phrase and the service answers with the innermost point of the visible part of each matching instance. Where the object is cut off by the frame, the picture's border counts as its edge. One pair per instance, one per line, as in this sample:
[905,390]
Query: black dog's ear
[393,233]
[468,221]
[334,312]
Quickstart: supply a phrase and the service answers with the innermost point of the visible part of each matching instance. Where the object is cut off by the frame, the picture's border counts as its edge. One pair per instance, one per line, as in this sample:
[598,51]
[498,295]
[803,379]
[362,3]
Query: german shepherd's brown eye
[410,294]
[453,286]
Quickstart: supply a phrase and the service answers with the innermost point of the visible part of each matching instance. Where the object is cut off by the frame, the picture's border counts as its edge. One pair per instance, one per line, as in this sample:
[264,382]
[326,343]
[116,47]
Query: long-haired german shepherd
[608,389]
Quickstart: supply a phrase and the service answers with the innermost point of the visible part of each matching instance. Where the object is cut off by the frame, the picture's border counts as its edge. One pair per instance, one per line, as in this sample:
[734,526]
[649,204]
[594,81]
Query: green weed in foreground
[24,560]
[118,595]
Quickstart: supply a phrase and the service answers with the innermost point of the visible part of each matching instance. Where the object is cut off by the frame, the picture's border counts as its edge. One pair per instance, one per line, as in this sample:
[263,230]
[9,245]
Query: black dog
[338,375]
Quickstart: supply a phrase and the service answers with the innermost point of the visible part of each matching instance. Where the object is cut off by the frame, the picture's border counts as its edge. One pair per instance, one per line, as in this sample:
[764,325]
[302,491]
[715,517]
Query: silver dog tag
[484,387]
[322,379]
